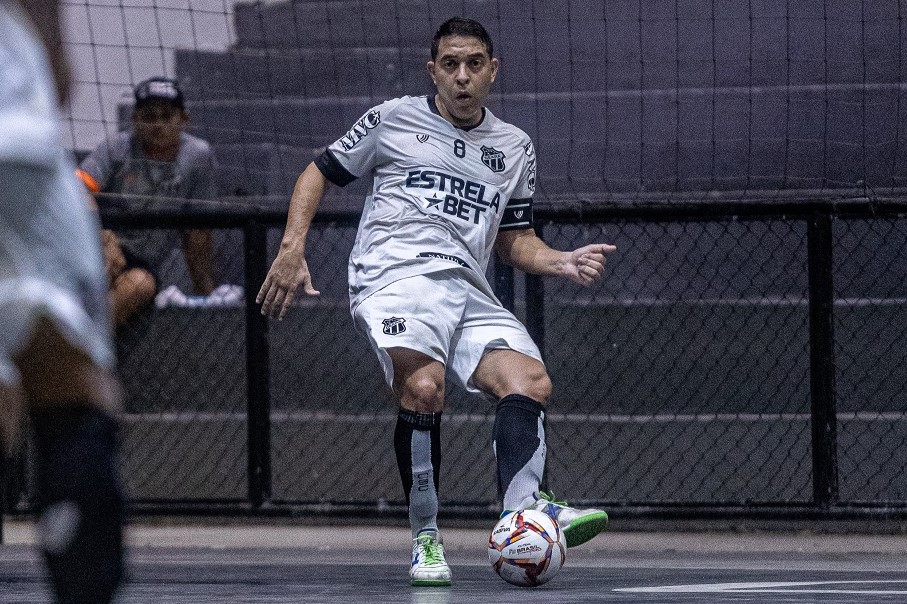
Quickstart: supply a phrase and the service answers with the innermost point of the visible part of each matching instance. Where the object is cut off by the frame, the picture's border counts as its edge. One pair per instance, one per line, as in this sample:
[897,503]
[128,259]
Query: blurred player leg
[53,309]
[56,336]
[71,402]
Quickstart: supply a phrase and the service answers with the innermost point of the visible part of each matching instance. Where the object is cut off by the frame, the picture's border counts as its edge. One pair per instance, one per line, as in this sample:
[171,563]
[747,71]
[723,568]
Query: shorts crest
[394,326]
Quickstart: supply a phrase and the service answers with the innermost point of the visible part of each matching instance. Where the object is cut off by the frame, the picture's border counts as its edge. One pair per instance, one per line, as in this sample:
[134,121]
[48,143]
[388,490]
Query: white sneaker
[429,566]
[579,525]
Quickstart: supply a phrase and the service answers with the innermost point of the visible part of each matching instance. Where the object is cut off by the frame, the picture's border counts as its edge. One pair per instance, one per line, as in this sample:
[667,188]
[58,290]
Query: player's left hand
[587,264]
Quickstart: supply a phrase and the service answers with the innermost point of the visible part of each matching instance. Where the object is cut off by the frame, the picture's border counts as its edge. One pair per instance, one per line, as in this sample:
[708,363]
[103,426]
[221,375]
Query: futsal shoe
[429,567]
[579,525]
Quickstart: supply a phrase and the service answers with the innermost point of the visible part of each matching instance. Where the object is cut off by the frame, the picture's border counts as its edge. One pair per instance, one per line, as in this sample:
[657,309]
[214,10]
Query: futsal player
[56,358]
[452,183]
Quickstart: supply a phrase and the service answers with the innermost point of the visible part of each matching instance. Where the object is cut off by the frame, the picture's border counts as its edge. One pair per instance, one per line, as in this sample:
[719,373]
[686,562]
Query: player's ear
[431,70]
[495,64]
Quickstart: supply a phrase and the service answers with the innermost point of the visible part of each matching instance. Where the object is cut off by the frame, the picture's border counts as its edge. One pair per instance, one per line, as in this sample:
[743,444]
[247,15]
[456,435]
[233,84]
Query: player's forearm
[307,194]
[526,252]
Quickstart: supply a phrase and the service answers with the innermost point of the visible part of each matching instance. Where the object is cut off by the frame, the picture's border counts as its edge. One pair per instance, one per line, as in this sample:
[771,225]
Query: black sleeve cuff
[333,170]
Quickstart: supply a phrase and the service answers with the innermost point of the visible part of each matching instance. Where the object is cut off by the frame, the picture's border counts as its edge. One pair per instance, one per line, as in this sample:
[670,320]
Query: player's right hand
[277,292]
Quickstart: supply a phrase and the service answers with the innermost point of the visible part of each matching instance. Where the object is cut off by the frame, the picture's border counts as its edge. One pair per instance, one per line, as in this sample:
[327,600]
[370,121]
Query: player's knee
[534,384]
[80,502]
[424,394]
[539,387]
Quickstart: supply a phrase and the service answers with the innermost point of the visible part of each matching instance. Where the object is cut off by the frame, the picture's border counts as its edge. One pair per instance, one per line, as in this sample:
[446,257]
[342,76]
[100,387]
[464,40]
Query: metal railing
[728,404]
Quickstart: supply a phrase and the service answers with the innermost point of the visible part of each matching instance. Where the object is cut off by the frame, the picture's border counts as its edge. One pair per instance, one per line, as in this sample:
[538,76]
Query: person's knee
[137,284]
[418,380]
[531,381]
[130,293]
[503,372]
[423,393]
[72,376]
[536,385]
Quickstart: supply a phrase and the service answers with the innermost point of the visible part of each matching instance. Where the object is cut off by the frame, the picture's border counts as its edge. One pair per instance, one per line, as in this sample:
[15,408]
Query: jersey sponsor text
[463,198]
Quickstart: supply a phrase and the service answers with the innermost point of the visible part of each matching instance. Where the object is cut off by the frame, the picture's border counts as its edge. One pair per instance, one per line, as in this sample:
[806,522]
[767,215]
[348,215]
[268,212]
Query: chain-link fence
[749,357]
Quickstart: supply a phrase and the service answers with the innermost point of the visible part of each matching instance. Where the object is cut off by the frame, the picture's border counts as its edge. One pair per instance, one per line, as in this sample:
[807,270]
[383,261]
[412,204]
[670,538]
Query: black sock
[520,450]
[80,502]
[417,443]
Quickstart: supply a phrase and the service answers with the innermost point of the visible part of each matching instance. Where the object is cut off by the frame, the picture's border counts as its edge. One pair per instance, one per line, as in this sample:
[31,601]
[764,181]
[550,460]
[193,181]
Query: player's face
[158,125]
[463,73]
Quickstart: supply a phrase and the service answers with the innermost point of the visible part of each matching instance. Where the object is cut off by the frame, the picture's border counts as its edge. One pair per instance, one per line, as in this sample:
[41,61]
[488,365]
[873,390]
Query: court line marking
[789,587]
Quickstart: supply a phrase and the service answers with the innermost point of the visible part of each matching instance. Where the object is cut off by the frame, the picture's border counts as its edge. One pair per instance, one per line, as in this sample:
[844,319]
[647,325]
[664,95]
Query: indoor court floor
[286,563]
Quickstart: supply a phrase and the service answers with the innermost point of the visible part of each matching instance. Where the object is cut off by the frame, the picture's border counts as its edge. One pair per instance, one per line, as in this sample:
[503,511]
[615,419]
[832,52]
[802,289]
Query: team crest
[493,158]
[394,326]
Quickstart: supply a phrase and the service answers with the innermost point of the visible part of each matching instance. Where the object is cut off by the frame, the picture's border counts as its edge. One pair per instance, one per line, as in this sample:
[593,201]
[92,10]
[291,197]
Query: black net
[684,377]
[871,298]
[626,99]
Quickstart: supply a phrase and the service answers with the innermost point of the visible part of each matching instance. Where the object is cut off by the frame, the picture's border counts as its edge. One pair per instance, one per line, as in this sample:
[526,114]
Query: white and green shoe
[579,525]
[429,567]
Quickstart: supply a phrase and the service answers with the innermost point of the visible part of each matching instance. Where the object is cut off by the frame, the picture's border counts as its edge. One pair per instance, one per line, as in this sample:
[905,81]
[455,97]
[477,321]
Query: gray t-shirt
[119,166]
[440,193]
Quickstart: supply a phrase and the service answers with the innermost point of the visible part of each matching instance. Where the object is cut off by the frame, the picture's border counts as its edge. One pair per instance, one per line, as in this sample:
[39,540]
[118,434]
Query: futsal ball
[527,548]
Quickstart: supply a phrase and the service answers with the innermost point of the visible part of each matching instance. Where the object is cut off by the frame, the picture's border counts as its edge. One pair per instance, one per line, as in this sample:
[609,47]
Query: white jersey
[440,193]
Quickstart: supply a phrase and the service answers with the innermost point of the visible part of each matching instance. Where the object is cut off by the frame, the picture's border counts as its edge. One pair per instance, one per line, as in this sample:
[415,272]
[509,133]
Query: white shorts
[443,316]
[50,263]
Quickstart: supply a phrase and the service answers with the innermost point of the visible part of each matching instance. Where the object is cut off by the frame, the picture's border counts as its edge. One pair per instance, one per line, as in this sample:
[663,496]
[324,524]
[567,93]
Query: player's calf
[80,503]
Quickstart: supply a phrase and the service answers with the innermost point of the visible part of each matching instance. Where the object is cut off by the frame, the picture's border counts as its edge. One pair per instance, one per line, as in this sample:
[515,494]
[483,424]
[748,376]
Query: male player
[157,158]
[56,356]
[452,183]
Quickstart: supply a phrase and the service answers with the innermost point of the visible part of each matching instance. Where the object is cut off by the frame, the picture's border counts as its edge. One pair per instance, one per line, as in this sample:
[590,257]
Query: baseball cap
[159,89]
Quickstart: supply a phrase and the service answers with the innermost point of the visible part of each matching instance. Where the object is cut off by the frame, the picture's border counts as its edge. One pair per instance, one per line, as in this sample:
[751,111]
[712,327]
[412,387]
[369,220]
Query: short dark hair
[460,26]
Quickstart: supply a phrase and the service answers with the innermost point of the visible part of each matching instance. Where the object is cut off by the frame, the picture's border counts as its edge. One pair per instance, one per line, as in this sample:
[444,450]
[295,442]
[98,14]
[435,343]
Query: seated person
[155,159]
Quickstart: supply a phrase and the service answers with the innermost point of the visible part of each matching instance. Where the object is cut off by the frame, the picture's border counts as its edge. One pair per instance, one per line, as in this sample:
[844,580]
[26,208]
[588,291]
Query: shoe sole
[585,528]
[430,582]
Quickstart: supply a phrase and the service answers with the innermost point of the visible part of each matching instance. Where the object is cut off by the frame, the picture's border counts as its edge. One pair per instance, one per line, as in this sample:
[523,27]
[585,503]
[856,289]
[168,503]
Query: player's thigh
[56,371]
[487,326]
[417,313]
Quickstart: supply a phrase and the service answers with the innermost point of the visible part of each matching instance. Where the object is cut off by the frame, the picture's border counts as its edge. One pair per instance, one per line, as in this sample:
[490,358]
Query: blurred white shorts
[50,264]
